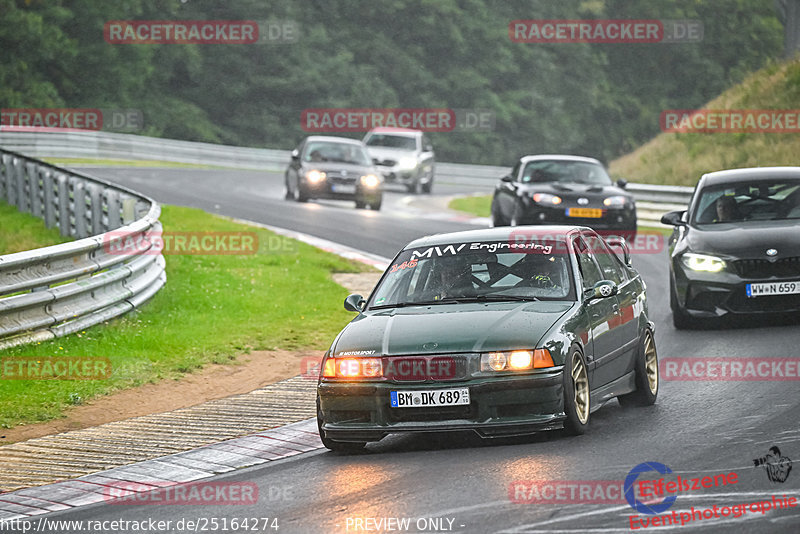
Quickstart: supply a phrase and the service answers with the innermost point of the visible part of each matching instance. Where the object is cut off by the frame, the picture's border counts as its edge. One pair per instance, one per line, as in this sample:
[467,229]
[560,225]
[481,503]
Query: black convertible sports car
[736,250]
[552,189]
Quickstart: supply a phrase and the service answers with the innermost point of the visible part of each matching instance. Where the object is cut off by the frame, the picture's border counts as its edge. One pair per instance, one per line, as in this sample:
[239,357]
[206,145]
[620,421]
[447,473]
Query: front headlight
[370,180]
[315,176]
[544,198]
[407,162]
[516,360]
[617,201]
[352,368]
[703,262]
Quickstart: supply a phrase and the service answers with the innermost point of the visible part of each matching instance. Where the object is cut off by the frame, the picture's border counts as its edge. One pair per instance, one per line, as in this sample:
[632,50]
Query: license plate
[343,188]
[436,397]
[591,213]
[773,288]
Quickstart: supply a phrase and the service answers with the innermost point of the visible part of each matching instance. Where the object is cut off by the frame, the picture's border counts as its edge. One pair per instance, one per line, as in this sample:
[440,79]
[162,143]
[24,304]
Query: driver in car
[727,209]
[454,278]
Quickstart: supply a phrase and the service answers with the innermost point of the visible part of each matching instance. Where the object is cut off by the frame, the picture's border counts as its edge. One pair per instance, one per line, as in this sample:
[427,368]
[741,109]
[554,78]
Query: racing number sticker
[410,264]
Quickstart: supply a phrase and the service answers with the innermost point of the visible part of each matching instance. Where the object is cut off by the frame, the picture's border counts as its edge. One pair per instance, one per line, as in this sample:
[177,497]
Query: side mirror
[622,183]
[674,218]
[507,178]
[428,148]
[618,241]
[602,289]
[295,154]
[354,303]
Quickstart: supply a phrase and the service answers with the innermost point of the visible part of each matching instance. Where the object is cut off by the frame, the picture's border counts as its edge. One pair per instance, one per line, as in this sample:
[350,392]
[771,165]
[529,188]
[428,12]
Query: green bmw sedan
[503,331]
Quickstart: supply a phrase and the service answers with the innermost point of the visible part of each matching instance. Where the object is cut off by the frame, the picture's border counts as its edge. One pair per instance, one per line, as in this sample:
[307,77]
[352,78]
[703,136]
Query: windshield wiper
[501,298]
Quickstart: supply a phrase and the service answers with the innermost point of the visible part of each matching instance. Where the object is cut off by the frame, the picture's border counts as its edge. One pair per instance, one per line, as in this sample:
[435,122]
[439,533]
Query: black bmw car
[555,189]
[333,167]
[736,250]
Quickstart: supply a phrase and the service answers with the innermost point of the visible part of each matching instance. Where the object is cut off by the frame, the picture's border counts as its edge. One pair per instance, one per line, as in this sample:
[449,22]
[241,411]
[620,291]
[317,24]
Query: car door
[629,301]
[604,317]
[506,193]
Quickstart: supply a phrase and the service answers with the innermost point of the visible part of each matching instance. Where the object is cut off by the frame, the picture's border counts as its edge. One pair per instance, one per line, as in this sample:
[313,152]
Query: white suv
[403,156]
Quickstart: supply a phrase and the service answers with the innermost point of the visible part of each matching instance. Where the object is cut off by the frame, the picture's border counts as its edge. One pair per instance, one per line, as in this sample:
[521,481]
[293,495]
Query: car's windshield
[327,151]
[462,272]
[763,200]
[578,172]
[392,141]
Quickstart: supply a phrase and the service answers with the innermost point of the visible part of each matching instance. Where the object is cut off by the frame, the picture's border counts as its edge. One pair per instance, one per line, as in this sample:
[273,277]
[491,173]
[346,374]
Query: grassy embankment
[212,308]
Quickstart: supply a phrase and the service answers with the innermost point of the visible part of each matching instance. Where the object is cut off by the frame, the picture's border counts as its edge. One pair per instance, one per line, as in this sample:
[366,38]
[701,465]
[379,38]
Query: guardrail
[57,290]
[652,200]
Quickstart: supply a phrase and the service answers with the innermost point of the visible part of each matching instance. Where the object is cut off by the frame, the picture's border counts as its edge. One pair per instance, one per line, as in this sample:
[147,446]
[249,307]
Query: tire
[576,394]
[646,369]
[343,447]
[680,319]
[377,205]
[415,187]
[497,220]
[427,187]
[298,194]
[288,195]
[360,205]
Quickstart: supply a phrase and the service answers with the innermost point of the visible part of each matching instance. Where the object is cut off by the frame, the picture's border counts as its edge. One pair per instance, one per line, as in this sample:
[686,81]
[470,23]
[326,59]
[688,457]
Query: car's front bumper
[396,174]
[710,295]
[611,219]
[499,406]
[342,191]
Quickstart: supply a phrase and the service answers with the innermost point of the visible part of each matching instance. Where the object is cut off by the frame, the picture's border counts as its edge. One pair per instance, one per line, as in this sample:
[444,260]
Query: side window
[609,265]
[589,270]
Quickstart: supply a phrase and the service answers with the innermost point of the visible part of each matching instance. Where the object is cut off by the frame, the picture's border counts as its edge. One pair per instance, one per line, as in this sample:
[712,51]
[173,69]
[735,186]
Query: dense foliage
[593,99]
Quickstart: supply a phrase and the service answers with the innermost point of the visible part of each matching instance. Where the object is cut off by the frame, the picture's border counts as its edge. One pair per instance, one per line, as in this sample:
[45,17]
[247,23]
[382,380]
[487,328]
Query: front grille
[338,179]
[739,302]
[388,162]
[437,368]
[760,269]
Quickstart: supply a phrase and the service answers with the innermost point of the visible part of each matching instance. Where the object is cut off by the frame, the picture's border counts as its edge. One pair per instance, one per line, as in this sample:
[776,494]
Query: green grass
[211,309]
[21,231]
[680,159]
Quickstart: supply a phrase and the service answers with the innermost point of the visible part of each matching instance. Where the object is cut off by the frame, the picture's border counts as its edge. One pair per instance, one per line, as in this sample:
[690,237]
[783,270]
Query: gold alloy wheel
[580,386]
[651,363]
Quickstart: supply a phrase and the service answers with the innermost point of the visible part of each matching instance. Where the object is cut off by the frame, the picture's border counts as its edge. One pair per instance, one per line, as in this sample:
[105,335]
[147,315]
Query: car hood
[382,153]
[447,328]
[748,240]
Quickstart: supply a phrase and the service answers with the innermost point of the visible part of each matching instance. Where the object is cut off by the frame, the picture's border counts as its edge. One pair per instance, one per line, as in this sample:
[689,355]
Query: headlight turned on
[516,360]
[544,198]
[617,201]
[352,368]
[370,180]
[315,176]
[703,262]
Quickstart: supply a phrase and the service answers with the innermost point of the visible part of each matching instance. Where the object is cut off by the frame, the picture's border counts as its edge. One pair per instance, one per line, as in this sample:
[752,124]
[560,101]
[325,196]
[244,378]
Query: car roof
[504,233]
[562,157]
[386,129]
[334,139]
[748,175]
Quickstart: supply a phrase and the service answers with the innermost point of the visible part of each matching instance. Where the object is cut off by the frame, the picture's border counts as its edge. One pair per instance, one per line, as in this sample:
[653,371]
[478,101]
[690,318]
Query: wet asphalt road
[460,483]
